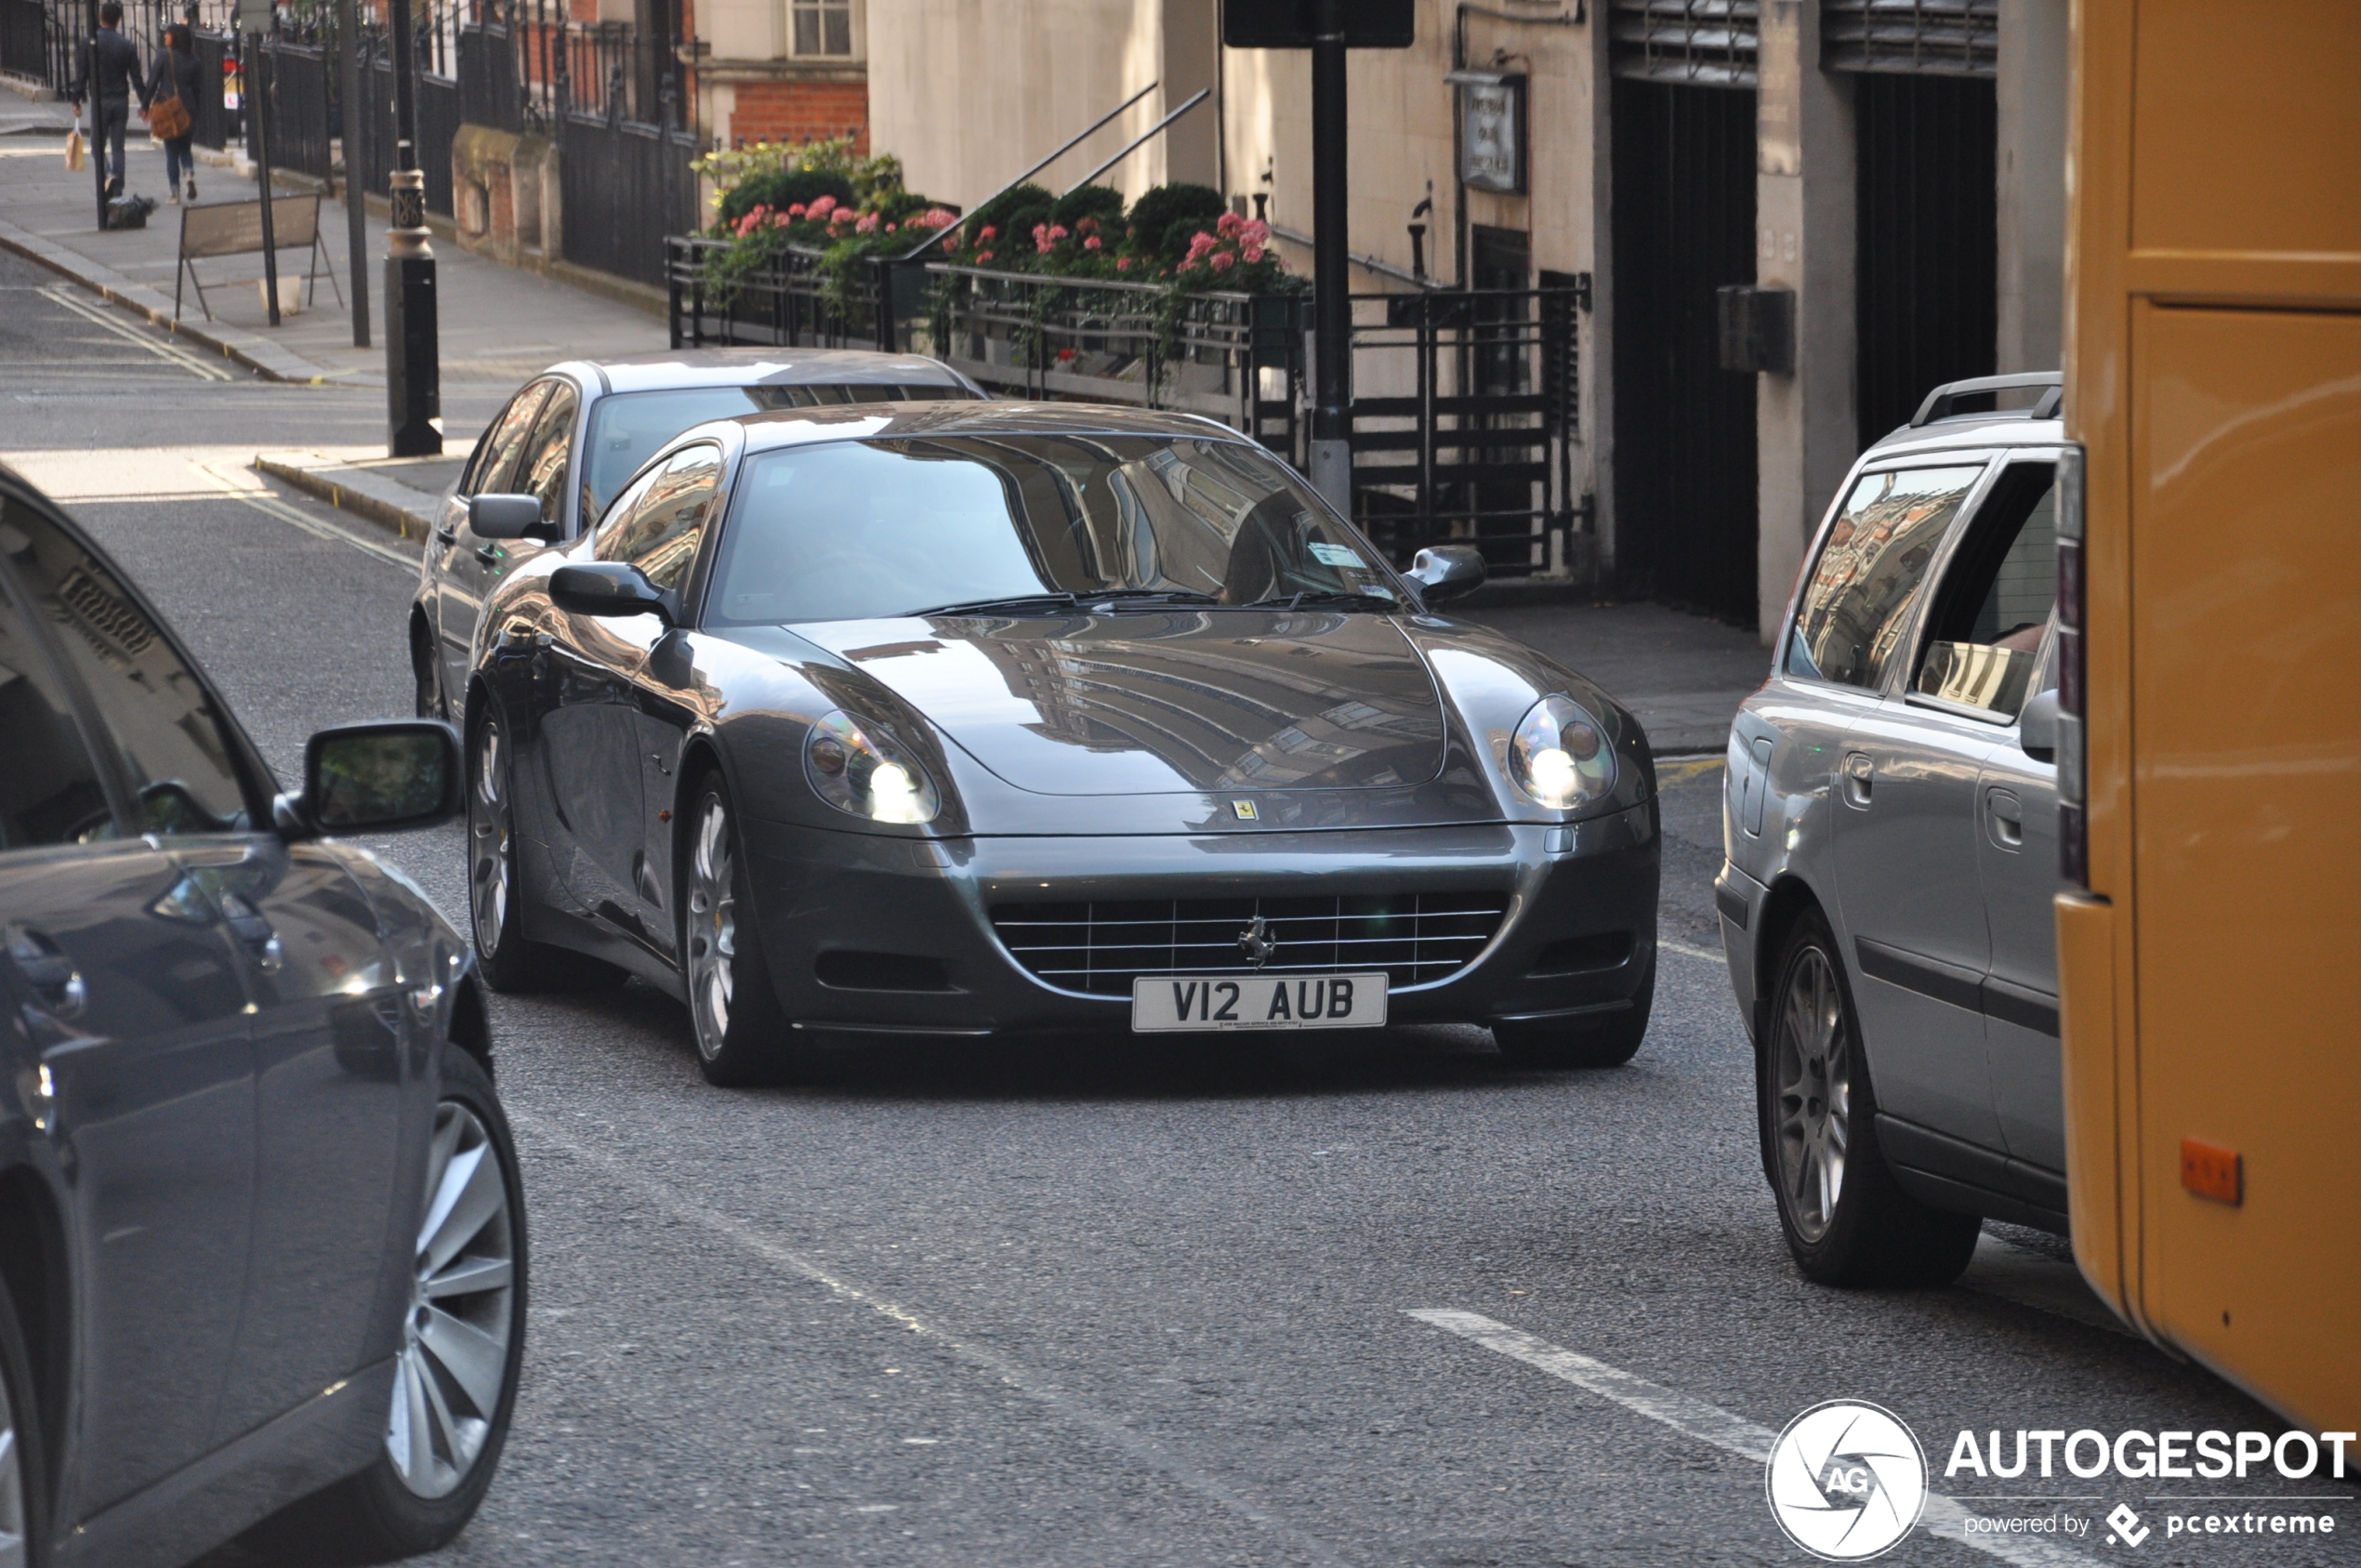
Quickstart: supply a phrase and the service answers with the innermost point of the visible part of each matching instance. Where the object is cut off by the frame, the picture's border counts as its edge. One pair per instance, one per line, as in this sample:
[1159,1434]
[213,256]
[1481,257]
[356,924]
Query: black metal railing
[299,79]
[212,124]
[24,39]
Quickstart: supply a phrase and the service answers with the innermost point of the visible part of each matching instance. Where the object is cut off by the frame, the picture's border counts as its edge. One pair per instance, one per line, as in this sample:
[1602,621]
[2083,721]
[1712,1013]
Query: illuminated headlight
[1559,755]
[856,772]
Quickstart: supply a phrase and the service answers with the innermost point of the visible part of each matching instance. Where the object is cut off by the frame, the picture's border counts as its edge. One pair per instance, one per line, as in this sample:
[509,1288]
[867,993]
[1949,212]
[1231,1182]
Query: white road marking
[1686,951]
[62,293]
[1709,1423]
[1108,1428]
[243,486]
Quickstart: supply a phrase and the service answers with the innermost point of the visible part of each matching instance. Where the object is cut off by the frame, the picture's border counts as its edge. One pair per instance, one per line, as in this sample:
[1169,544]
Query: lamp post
[350,66]
[414,392]
[1331,262]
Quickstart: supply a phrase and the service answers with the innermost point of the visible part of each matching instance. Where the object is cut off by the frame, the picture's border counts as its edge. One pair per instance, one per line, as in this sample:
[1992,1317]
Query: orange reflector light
[2212,1171]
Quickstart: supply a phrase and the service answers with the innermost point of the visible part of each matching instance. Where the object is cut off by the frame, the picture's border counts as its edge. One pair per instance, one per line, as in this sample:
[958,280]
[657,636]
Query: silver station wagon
[1889,828]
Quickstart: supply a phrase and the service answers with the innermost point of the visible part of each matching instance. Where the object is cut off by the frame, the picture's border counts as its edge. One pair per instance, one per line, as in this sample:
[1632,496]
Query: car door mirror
[504,516]
[607,587]
[1445,572]
[2038,727]
[377,778]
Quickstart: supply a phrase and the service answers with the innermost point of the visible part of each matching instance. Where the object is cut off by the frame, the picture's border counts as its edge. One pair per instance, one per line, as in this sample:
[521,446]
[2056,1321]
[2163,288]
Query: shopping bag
[74,150]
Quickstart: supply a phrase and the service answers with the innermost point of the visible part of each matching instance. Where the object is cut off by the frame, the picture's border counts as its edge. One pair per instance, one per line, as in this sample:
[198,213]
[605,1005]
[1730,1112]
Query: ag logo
[1846,1481]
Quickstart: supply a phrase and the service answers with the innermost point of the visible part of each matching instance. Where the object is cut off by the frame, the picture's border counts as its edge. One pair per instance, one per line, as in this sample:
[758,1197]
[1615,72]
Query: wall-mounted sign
[1491,129]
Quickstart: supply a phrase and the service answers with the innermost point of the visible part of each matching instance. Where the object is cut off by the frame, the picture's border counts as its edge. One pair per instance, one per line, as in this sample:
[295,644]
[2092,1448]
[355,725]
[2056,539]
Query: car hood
[1155,702]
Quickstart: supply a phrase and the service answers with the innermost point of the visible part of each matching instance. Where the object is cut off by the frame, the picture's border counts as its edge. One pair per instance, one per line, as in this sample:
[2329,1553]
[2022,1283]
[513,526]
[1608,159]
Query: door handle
[487,555]
[253,930]
[1860,775]
[50,973]
[2008,818]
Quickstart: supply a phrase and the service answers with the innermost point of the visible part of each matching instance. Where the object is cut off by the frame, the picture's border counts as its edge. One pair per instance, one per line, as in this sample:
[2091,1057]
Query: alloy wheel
[453,1364]
[1812,1074]
[13,1524]
[491,852]
[713,926]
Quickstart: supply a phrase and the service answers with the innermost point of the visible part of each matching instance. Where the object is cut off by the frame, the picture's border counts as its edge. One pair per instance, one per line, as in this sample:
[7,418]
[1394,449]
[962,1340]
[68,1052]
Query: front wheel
[23,1488]
[455,1386]
[742,1034]
[509,960]
[1847,1221]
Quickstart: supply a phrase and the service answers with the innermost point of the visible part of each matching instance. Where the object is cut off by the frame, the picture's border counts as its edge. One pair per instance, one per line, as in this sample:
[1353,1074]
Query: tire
[510,961]
[1846,1219]
[1547,1044]
[446,1430]
[742,1036]
[428,684]
[24,1489]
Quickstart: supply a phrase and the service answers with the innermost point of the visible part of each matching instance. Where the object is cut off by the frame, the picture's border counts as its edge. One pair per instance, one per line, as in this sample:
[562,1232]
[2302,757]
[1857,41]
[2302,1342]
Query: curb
[385,502]
[260,355]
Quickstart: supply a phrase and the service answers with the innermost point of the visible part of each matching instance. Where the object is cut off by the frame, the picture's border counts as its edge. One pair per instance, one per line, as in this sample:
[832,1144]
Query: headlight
[1559,755]
[866,775]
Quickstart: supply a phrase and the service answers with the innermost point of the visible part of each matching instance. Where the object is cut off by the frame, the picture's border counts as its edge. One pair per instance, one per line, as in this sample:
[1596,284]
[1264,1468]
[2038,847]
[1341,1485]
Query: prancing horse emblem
[1257,943]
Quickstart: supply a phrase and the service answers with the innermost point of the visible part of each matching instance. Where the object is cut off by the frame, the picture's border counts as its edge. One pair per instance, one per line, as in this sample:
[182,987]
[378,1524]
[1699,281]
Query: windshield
[860,529]
[629,428]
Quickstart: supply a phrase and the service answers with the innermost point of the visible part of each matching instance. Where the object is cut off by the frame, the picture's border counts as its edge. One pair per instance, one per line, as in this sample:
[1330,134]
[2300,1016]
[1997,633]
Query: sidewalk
[499,326]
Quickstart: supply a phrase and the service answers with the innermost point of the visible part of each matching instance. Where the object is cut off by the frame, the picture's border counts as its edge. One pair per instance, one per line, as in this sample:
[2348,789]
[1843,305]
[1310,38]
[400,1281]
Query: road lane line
[1709,1423]
[60,293]
[1685,950]
[1108,1428]
[244,487]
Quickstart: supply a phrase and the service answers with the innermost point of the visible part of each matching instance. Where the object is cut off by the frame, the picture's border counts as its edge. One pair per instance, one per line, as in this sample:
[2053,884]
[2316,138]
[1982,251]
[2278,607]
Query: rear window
[1856,604]
[629,427]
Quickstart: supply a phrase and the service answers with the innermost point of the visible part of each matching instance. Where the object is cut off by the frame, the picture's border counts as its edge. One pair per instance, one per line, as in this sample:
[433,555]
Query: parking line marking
[1112,1430]
[1709,1423]
[242,487]
[1685,950]
[60,293]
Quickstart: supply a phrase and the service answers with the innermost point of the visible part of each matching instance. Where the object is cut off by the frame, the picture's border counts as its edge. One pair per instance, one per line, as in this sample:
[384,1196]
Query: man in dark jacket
[119,79]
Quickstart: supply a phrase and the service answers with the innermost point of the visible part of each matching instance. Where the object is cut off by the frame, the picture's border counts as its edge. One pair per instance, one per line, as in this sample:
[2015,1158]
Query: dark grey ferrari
[978,720]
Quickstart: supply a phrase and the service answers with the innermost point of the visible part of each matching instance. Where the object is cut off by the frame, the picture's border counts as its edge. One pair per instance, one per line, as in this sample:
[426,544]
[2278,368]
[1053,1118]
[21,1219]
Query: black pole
[98,113]
[414,392]
[356,212]
[258,93]
[1331,280]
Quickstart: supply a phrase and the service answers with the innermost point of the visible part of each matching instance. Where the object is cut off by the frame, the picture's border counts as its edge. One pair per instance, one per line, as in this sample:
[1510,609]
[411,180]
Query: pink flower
[1044,239]
[1254,252]
[934,217]
[1065,354]
[1200,244]
[986,233]
[1057,231]
[983,256]
[1091,244]
[892,227]
[821,207]
[1254,231]
[1123,264]
[1222,261]
[798,210]
[868,223]
[1229,225]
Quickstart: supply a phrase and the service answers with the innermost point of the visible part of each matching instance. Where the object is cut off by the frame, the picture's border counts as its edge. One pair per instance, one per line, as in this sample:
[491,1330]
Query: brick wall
[801,112]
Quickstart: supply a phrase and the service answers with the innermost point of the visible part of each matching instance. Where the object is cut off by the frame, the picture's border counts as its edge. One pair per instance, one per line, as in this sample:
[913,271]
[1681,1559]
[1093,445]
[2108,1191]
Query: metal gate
[1684,448]
[626,186]
[24,48]
[298,79]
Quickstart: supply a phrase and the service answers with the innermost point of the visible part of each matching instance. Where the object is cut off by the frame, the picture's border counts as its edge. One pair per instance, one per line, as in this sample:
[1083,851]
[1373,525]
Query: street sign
[1491,129]
[1286,25]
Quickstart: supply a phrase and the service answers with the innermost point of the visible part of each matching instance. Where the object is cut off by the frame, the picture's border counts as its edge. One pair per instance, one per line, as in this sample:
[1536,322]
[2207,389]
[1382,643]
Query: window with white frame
[822,27]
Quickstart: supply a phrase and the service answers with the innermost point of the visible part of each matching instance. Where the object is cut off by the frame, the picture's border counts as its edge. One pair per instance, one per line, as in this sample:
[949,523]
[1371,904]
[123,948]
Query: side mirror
[2038,727]
[379,777]
[607,587]
[1444,572]
[504,516]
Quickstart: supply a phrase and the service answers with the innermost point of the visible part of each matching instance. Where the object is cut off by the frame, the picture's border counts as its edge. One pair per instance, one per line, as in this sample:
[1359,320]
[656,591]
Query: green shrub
[781,189]
[1168,210]
[994,213]
[1100,202]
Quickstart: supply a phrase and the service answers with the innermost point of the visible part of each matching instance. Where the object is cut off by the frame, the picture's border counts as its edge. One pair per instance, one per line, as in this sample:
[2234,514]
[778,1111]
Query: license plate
[1259,1002]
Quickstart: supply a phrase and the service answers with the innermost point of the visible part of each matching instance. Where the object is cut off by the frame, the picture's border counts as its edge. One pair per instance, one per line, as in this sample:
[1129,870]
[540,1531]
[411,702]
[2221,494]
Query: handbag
[168,119]
[74,150]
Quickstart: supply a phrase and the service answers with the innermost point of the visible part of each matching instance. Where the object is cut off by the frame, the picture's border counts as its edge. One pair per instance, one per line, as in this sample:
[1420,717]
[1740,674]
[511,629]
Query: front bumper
[930,900]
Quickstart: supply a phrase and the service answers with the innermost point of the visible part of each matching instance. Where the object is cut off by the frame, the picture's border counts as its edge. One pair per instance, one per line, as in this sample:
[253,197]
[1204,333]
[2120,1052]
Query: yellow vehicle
[2211,770]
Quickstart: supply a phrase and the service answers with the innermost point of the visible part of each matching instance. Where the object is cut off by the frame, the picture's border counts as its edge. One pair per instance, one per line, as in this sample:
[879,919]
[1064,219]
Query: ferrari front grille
[1103,947]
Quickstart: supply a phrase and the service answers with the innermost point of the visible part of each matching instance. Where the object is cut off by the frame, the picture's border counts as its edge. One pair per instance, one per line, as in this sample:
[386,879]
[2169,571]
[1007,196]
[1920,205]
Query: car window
[627,429]
[1992,609]
[659,533]
[1856,604]
[160,716]
[496,457]
[50,791]
[541,471]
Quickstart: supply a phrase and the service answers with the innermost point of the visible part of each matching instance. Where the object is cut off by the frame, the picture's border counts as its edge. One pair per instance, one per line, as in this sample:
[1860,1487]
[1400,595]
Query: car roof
[1977,432]
[795,427]
[668,369]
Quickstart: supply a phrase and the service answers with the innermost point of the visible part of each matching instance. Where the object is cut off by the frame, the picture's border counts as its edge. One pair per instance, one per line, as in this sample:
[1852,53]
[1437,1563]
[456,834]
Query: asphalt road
[1115,1303]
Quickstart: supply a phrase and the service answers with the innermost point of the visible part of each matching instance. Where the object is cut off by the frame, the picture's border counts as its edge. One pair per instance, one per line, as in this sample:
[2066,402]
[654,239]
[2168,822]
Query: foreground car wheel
[22,1488]
[462,1342]
[742,1036]
[507,959]
[1846,1221]
[1578,1041]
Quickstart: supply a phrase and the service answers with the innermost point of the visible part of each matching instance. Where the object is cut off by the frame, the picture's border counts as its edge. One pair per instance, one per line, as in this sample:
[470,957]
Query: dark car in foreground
[573,434]
[262,1242]
[968,720]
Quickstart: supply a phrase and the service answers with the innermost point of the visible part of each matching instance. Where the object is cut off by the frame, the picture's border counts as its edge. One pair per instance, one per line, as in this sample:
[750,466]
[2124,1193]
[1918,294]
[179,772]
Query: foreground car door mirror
[504,516]
[2038,727]
[607,587]
[1444,572]
[377,778]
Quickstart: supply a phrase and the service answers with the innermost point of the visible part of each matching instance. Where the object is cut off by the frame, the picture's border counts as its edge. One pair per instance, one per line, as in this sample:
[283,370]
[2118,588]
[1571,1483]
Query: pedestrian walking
[116,61]
[172,113]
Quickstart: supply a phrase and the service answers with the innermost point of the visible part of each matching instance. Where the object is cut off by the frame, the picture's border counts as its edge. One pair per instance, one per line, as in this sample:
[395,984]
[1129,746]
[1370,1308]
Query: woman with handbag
[171,115]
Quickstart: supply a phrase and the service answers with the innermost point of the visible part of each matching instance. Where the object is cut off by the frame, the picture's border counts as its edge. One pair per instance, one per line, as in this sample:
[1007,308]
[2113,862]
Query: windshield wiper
[1149,596]
[1326,599]
[1014,604]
